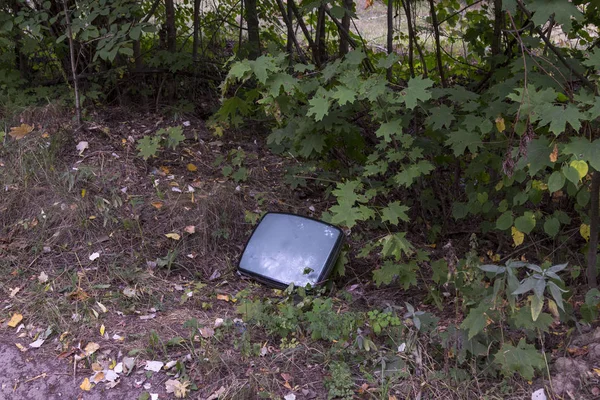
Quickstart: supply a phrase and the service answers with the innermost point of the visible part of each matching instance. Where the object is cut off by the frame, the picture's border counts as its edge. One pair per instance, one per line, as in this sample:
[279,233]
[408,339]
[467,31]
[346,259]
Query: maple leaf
[440,117]
[19,132]
[174,136]
[522,359]
[343,95]
[319,107]
[460,140]
[476,320]
[238,70]
[312,143]
[562,10]
[559,116]
[395,212]
[281,80]
[387,130]
[395,245]
[537,155]
[148,146]
[344,213]
[261,67]
[416,90]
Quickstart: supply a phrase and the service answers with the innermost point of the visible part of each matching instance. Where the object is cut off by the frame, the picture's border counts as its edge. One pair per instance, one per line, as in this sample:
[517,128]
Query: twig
[73,66]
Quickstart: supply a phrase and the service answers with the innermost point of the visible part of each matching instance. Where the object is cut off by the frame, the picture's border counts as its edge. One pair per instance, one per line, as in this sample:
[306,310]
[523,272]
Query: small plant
[381,320]
[339,384]
[171,137]
[232,165]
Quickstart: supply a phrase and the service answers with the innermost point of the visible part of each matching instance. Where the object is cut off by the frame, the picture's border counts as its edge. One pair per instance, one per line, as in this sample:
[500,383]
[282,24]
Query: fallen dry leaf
[190,229]
[102,329]
[554,154]
[99,377]
[14,292]
[157,204]
[94,256]
[192,168]
[86,385]
[43,277]
[223,297]
[207,332]
[81,146]
[180,389]
[19,132]
[174,236]
[21,347]
[91,348]
[217,393]
[14,320]
[154,366]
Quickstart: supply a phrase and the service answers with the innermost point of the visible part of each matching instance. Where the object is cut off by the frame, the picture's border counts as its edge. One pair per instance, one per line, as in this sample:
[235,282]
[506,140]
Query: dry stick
[438,52]
[560,57]
[73,66]
[307,35]
[592,273]
[411,38]
[291,36]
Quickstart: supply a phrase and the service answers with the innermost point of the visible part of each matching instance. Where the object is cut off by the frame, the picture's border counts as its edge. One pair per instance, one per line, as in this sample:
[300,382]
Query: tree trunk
[196,29]
[344,44]
[390,34]
[497,39]
[438,48]
[592,273]
[253,29]
[170,25]
[320,35]
[307,35]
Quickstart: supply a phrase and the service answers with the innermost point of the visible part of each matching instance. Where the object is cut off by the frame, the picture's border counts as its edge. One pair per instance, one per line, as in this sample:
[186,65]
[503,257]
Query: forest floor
[119,275]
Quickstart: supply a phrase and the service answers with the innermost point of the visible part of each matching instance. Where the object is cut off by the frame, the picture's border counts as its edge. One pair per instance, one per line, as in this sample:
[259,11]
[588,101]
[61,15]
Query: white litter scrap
[539,395]
[154,366]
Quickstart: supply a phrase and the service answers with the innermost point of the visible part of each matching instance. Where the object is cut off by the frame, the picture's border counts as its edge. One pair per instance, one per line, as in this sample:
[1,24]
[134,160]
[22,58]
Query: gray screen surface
[290,249]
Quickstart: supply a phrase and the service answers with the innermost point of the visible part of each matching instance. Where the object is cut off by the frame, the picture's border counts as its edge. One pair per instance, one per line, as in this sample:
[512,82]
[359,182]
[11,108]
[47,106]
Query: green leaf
[395,245]
[314,143]
[239,70]
[556,181]
[583,197]
[282,80]
[583,149]
[476,319]
[521,319]
[440,271]
[344,213]
[460,210]
[440,117]
[538,155]
[394,212]
[552,226]
[462,139]
[346,192]
[148,146]
[556,293]
[526,222]
[412,172]
[343,95]
[416,90]
[562,11]
[319,107]
[175,136]
[262,66]
[559,116]
[571,174]
[523,359]
[387,130]
[135,32]
[505,221]
[406,274]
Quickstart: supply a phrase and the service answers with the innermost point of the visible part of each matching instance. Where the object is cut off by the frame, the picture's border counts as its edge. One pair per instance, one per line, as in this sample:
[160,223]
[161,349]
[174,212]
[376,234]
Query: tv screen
[287,248]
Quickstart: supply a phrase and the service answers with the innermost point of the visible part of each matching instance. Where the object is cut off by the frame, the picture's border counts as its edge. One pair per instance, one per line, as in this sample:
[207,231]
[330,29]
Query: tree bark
[390,34]
[307,35]
[170,25]
[497,39]
[320,35]
[253,29]
[196,29]
[592,273]
[344,44]
[438,48]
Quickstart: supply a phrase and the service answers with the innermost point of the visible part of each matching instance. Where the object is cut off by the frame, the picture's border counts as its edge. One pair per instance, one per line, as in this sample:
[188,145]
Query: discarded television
[288,248]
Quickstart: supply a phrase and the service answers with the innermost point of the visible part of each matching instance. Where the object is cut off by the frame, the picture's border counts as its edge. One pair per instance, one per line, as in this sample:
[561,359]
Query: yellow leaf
[597,371]
[83,192]
[92,217]
[581,167]
[102,329]
[45,135]
[554,154]
[223,297]
[174,236]
[584,231]
[553,308]
[500,125]
[192,168]
[157,204]
[165,169]
[21,347]
[517,236]
[19,132]
[86,385]
[14,320]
